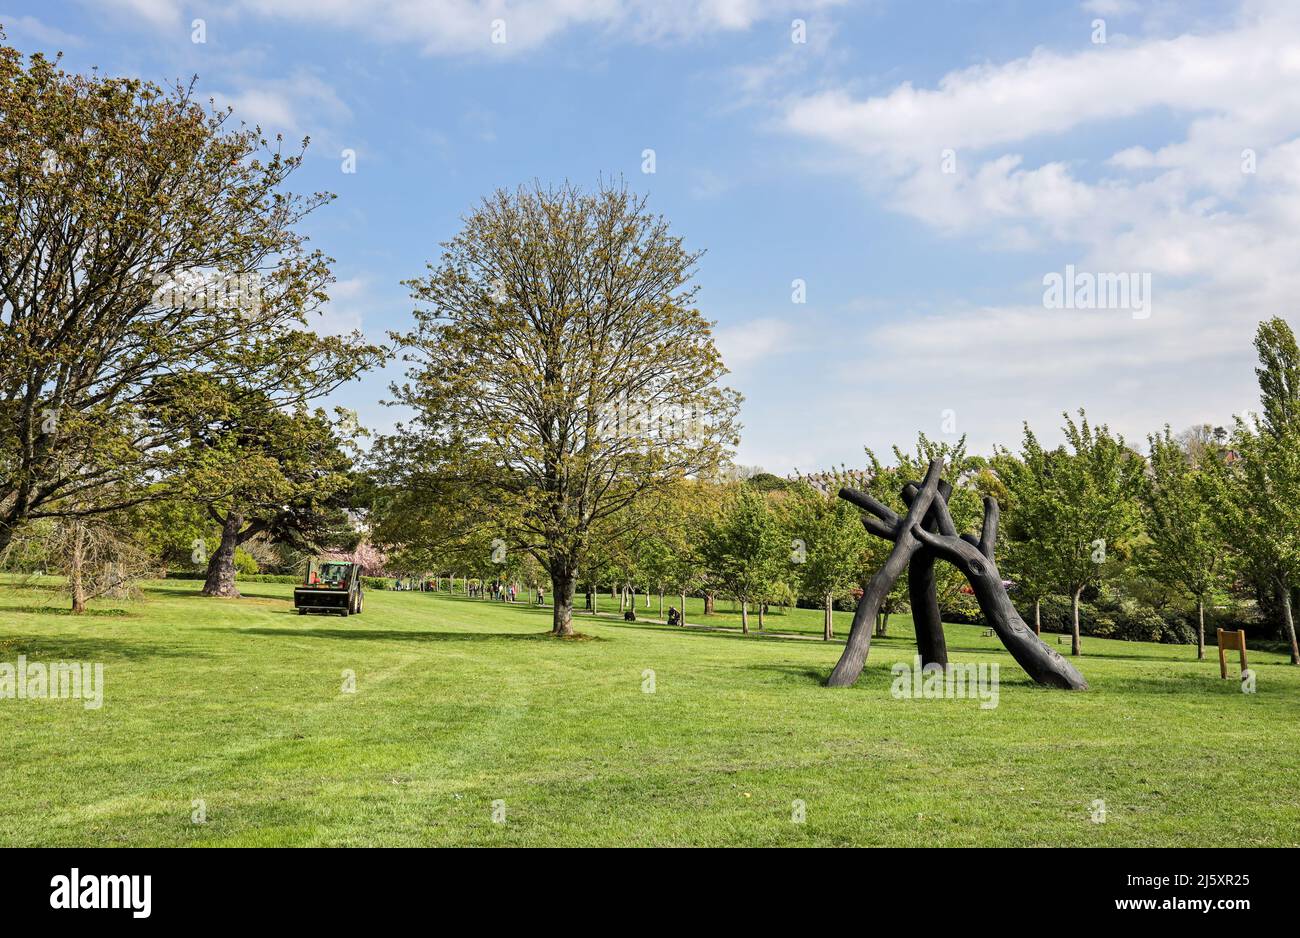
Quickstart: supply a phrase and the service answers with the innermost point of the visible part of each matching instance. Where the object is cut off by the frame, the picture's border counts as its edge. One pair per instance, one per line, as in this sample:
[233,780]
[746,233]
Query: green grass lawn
[462,703]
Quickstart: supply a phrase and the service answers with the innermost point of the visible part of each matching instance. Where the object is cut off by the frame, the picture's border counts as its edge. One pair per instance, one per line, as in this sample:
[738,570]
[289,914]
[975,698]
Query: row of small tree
[1207,514]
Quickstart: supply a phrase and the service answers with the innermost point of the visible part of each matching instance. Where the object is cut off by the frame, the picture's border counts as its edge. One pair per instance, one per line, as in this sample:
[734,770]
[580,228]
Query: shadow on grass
[247,594]
[710,631]
[66,647]
[397,635]
[1082,660]
[43,585]
[520,606]
[812,676]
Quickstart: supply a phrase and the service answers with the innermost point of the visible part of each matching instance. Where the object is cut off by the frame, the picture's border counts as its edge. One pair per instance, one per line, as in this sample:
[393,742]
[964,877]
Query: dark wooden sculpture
[930,642]
[925,534]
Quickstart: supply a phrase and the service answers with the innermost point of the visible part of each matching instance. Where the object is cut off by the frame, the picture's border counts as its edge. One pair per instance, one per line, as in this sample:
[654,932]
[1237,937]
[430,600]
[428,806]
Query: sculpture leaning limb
[906,544]
[1040,661]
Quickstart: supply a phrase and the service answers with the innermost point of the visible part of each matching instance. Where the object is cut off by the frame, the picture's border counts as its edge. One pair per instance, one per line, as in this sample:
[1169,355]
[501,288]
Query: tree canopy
[142,236]
[558,363]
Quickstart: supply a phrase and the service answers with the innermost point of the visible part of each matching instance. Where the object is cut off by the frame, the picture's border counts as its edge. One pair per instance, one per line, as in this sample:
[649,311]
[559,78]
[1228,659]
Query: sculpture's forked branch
[989,531]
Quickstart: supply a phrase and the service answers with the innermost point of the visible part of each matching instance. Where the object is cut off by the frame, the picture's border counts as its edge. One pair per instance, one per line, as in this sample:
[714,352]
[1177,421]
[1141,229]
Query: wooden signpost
[1228,640]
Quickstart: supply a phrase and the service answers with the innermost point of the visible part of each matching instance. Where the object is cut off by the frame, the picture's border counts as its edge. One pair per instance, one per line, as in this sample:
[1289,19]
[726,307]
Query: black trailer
[331,586]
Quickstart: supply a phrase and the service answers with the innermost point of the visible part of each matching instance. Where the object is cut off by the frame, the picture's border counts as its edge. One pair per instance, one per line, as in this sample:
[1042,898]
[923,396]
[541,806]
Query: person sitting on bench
[674,617]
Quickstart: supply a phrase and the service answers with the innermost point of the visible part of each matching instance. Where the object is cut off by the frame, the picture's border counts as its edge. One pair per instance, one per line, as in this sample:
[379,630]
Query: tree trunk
[661,604]
[708,604]
[221,567]
[77,568]
[683,609]
[1200,628]
[828,622]
[563,584]
[762,608]
[117,587]
[1038,615]
[882,624]
[1288,624]
[744,616]
[1075,643]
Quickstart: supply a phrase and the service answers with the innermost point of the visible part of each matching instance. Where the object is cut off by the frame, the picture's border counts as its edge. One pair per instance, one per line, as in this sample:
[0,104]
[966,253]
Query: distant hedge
[369,582]
[241,577]
[1109,616]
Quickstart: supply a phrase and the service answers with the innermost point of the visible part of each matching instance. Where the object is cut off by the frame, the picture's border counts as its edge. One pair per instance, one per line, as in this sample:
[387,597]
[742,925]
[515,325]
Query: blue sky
[920,166]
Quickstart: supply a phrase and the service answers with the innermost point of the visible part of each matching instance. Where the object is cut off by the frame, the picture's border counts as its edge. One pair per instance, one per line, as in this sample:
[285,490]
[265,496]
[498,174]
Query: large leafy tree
[141,235]
[1183,548]
[1256,509]
[558,363]
[1253,488]
[257,469]
[1075,505]
[1279,377]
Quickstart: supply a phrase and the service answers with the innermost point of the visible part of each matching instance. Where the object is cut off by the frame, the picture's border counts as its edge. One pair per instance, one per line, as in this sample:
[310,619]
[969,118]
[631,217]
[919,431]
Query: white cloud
[159,14]
[465,27]
[707,184]
[745,344]
[345,311]
[32,28]
[296,105]
[1111,7]
[1218,242]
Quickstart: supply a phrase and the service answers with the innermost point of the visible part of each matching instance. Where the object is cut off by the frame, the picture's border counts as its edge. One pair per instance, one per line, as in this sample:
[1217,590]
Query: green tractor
[331,586]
